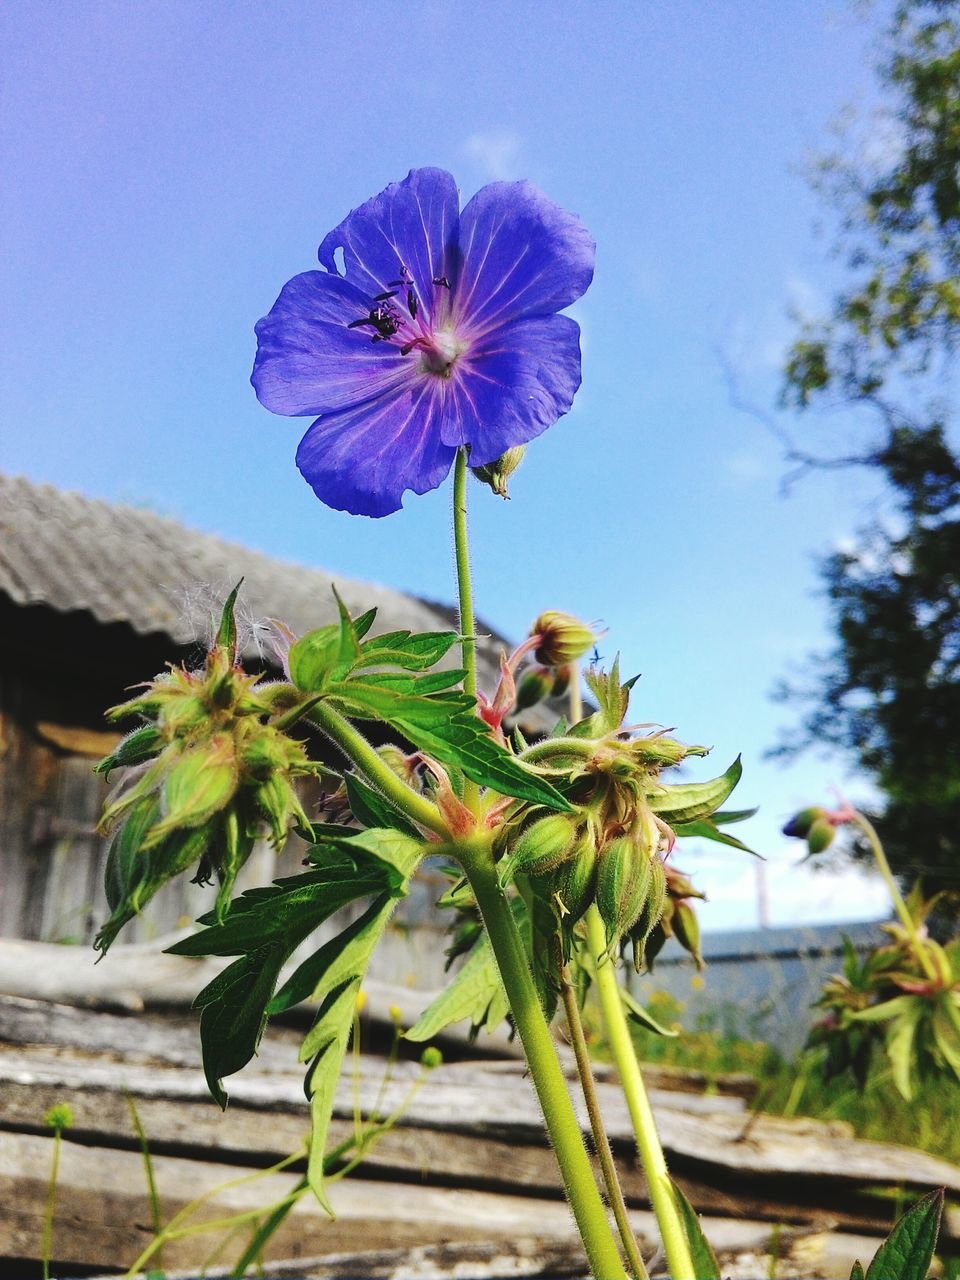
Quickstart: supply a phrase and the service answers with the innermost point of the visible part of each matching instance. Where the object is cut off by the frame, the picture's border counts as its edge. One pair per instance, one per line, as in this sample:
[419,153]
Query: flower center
[439,354]
[398,316]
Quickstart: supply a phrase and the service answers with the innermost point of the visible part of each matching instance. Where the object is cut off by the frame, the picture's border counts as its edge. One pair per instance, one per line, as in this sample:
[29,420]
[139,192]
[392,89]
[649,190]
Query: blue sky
[169,165]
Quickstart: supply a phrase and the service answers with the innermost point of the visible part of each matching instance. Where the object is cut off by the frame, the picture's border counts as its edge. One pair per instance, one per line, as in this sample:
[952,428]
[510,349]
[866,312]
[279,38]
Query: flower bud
[623,878]
[686,929]
[820,835]
[200,784]
[563,638]
[800,824]
[576,881]
[541,847]
[561,681]
[535,685]
[496,474]
[648,923]
[59,1117]
[431,1058]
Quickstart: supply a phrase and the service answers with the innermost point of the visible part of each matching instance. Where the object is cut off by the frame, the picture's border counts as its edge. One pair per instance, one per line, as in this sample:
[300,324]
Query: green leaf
[612,697]
[705,1264]
[227,631]
[289,907]
[408,651]
[690,801]
[312,656]
[706,829]
[724,817]
[857,1272]
[945,1034]
[233,1013]
[372,809]
[266,925]
[446,727]
[408,682]
[475,993]
[643,1016]
[907,1252]
[899,1044]
[338,971]
[348,647]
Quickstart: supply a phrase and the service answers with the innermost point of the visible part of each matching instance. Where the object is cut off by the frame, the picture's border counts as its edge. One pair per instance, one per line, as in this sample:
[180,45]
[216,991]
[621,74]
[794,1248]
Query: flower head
[440,330]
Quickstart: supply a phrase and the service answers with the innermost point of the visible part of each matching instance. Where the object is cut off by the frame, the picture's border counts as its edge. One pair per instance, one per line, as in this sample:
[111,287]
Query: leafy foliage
[889,692]
[888,997]
[263,928]
[907,1252]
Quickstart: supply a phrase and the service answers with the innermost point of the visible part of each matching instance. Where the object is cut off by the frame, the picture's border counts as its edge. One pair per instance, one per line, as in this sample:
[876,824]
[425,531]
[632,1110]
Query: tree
[889,692]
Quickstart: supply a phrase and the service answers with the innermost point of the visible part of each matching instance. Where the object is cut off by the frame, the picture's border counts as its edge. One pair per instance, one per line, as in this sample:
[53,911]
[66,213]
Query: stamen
[442,281]
[412,304]
[382,297]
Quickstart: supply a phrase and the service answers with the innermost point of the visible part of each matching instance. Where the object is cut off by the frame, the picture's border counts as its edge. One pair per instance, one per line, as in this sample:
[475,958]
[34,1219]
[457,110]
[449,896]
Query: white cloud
[495,152]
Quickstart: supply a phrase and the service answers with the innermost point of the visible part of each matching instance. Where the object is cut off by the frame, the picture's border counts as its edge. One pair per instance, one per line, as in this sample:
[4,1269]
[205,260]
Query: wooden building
[95,597]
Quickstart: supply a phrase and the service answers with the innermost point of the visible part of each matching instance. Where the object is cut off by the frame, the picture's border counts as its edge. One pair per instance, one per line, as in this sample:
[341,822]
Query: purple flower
[440,330]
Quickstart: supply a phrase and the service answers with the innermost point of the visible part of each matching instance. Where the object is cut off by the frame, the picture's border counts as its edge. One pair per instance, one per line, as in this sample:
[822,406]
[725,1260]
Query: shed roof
[124,564]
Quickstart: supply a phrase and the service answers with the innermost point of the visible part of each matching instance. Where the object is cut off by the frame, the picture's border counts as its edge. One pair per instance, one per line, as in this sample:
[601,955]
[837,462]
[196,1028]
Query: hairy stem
[664,1202]
[562,1125]
[600,1140]
[468,629]
[359,751]
[906,919]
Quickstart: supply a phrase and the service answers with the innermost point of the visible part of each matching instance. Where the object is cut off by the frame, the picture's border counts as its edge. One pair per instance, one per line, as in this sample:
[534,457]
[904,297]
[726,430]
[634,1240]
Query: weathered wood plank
[173,1038]
[460,1130]
[102,1209]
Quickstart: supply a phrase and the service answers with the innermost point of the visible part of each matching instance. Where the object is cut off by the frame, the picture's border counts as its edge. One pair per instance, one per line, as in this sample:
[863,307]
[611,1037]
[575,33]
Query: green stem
[359,751]
[266,1230]
[468,628]
[46,1238]
[600,1140]
[562,1125]
[906,919]
[664,1202]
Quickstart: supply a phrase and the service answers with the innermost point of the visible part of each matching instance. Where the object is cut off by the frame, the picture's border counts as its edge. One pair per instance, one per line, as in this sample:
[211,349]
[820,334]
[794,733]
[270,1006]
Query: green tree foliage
[889,693]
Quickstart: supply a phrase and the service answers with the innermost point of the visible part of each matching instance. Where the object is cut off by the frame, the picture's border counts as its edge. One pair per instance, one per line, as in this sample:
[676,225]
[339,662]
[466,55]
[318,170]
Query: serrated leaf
[371,809]
[338,975]
[312,656]
[446,727]
[409,682]
[472,994]
[856,1272]
[266,925]
[687,802]
[410,652]
[233,1014]
[612,697]
[643,1016]
[705,1264]
[907,1252]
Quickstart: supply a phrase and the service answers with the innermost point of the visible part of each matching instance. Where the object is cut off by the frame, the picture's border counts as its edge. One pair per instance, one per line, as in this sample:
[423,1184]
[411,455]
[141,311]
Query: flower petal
[522,256]
[309,361]
[362,459]
[514,383]
[412,224]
